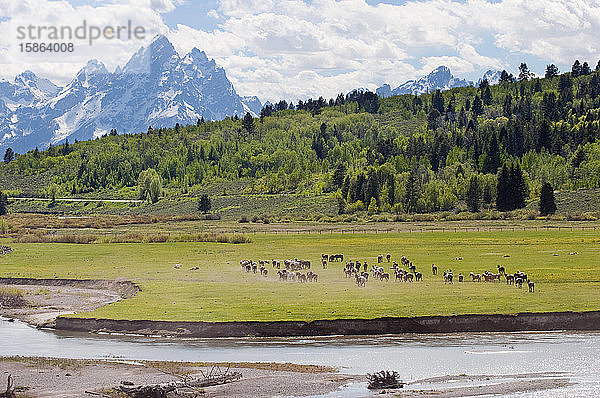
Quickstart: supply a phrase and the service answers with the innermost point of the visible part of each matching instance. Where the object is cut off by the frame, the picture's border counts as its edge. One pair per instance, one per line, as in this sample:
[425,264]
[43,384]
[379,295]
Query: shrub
[11,297]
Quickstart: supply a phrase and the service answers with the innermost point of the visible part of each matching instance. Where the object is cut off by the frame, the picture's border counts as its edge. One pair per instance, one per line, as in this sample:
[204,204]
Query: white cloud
[294,49]
[61,67]
[213,14]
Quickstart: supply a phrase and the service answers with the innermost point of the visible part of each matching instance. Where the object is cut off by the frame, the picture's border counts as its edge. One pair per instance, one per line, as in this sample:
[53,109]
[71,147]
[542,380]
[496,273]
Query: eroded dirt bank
[432,324]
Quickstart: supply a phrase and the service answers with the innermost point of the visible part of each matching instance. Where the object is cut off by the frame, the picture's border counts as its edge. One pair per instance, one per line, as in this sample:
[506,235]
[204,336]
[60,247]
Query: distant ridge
[440,78]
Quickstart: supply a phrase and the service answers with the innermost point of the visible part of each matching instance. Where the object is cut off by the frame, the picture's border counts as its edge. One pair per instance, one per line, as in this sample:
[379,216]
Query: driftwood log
[161,390]
[10,389]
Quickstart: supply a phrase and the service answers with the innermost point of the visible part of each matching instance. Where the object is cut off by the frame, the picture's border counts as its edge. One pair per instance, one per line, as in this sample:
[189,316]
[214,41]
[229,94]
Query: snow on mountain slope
[441,78]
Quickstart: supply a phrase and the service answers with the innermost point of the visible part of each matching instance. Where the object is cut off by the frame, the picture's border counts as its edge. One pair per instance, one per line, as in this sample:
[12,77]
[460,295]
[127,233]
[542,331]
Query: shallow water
[413,356]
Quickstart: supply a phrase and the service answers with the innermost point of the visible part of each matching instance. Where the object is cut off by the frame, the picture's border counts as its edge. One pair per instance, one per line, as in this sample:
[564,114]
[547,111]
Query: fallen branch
[98,394]
[10,389]
[161,390]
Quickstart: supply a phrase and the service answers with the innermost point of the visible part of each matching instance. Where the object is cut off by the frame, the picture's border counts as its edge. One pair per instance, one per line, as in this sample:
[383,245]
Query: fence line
[342,231]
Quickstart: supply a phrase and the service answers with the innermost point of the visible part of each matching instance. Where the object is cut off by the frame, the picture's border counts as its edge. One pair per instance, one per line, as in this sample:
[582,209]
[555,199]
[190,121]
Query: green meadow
[220,291]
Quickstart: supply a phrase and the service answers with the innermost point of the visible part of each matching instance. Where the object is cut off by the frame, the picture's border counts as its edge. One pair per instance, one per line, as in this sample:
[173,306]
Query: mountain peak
[94,66]
[440,78]
[38,87]
[151,57]
[28,75]
[197,54]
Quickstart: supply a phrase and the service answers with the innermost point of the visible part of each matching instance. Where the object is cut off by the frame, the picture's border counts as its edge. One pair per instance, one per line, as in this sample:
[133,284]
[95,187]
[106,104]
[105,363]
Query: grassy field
[220,291]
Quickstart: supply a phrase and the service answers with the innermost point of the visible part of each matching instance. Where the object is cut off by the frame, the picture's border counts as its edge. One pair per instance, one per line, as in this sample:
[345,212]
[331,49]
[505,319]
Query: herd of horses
[287,270]
[405,271]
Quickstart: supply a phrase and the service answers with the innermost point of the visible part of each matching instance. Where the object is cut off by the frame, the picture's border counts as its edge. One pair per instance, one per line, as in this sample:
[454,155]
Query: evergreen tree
[338,175]
[518,187]
[524,73]
[437,101]
[551,71]
[391,190]
[3,203]
[492,157]
[576,69]
[545,140]
[411,192]
[547,203]
[506,77]
[477,106]
[473,197]
[204,204]
[585,69]
[598,67]
[248,123]
[433,119]
[487,96]
[507,106]
[9,155]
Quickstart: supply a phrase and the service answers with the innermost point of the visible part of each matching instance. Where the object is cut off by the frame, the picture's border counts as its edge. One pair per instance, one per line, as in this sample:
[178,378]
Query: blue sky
[295,49]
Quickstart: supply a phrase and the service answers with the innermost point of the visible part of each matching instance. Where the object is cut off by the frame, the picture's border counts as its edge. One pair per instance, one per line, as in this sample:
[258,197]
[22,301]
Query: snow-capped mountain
[157,87]
[441,78]
[492,76]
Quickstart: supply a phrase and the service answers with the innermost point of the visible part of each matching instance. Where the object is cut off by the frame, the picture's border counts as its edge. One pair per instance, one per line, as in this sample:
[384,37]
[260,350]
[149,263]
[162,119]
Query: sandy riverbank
[49,377]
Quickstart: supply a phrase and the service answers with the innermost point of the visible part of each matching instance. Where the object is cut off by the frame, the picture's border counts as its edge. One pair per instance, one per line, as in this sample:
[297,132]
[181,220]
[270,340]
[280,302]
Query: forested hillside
[466,148]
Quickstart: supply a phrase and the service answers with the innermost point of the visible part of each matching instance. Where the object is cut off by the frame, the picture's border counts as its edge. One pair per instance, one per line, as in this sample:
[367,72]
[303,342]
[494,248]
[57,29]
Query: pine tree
[487,96]
[551,71]
[248,123]
[576,69]
[204,203]
[391,190]
[437,101]
[492,157]
[524,73]
[547,203]
[507,107]
[545,140]
[506,77]
[473,197]
[9,155]
[411,194]
[477,106]
[518,187]
[585,69]
[338,175]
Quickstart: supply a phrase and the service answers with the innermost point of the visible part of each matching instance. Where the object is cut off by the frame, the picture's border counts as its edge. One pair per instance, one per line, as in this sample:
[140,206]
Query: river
[413,356]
